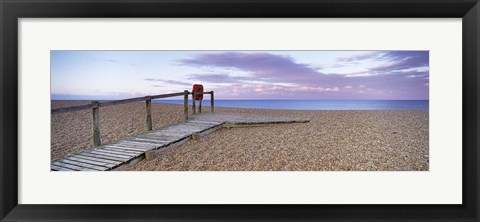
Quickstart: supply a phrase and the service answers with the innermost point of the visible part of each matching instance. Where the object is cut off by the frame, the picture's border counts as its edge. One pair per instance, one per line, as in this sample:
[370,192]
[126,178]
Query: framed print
[227,110]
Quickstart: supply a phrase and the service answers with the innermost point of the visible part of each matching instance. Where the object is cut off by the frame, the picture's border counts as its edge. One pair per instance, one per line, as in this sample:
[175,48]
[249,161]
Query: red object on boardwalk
[198,88]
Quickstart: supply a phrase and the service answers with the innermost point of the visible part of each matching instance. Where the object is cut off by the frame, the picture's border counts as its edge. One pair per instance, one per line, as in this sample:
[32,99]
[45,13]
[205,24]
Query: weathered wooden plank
[200,106]
[190,125]
[96,125]
[106,157]
[170,133]
[185,105]
[193,102]
[180,130]
[212,103]
[119,157]
[111,155]
[120,152]
[152,136]
[86,165]
[167,95]
[196,123]
[130,146]
[156,153]
[97,163]
[57,168]
[126,148]
[169,139]
[205,132]
[144,144]
[139,143]
[149,155]
[185,129]
[123,151]
[72,167]
[205,122]
[73,108]
[250,122]
[112,162]
[128,155]
[148,104]
[122,101]
[183,133]
[195,136]
[166,138]
[130,143]
[153,143]
[220,119]
[134,145]
[146,140]
[199,93]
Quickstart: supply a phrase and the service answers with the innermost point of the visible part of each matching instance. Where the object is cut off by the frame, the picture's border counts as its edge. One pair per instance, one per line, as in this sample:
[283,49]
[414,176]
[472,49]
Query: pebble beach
[376,140]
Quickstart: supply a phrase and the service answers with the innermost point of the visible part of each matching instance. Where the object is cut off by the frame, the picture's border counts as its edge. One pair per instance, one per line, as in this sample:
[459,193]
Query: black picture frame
[12,10]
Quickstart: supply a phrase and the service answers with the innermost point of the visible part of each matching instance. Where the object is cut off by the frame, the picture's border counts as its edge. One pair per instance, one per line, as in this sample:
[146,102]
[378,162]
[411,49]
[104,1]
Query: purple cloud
[399,76]
[266,66]
[355,58]
[218,78]
[403,60]
[173,82]
[112,61]
[395,60]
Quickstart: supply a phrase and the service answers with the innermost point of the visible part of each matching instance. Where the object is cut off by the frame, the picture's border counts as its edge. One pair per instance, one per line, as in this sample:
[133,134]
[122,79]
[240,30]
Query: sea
[316,104]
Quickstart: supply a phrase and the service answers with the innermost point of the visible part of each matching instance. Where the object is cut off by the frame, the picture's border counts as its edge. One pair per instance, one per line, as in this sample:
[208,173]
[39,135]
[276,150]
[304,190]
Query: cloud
[167,81]
[362,74]
[219,78]
[263,66]
[285,76]
[334,89]
[359,57]
[112,61]
[397,59]
[392,62]
[401,60]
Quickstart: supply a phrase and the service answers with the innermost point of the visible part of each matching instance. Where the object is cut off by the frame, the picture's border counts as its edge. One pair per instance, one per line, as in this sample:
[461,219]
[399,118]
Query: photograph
[249,110]
[281,110]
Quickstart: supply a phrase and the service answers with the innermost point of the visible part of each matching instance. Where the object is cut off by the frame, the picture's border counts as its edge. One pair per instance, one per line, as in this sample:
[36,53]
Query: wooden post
[193,102]
[200,105]
[185,105]
[96,125]
[212,103]
[195,136]
[148,104]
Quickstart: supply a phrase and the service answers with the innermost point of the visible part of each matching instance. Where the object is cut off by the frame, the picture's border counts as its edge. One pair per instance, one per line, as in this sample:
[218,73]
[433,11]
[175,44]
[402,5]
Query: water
[316,104]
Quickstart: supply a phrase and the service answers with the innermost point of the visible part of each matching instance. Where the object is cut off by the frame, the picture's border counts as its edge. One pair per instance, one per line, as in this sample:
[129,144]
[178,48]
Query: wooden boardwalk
[133,149]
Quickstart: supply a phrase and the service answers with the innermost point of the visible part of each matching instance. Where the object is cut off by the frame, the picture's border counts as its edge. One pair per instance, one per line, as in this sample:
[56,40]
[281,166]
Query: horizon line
[257,99]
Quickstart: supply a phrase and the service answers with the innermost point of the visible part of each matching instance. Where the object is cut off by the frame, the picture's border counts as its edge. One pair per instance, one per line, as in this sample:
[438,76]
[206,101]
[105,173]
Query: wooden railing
[95,107]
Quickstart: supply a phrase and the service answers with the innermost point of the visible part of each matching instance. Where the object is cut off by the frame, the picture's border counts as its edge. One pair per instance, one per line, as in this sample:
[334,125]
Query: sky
[260,75]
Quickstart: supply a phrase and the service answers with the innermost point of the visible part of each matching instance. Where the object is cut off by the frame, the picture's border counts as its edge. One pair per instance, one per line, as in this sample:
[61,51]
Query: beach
[365,140]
